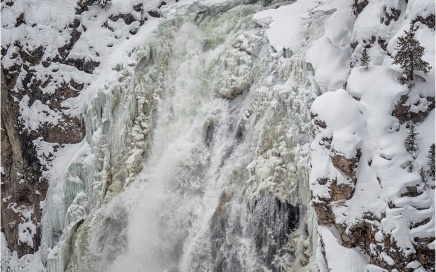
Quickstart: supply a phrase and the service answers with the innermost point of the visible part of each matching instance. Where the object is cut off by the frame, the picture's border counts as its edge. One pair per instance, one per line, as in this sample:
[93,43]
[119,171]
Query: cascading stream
[220,122]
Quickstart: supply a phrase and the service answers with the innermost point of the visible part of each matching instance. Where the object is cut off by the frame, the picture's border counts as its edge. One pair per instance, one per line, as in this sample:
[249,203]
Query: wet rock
[209,131]
[219,229]
[271,223]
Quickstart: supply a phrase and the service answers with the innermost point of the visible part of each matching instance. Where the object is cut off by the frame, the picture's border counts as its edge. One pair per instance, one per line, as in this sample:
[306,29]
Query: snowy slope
[378,197]
[375,197]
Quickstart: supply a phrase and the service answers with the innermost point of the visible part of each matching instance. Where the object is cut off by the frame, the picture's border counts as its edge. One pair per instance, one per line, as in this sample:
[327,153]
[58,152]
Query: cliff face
[191,135]
[20,176]
[372,188]
[50,53]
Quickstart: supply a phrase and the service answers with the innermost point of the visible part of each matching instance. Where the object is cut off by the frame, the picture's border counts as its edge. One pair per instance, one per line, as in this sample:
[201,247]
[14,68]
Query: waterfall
[195,159]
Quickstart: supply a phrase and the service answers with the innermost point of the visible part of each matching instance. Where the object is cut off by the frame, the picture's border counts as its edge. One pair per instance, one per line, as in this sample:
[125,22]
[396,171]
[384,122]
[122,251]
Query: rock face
[20,180]
[370,192]
[39,78]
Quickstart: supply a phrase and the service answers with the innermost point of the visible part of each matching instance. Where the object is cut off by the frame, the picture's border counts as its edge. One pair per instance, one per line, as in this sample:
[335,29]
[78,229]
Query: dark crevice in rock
[127,18]
[411,192]
[65,50]
[86,66]
[32,57]
[154,13]
[138,7]
[271,223]
[383,44]
[161,4]
[21,177]
[20,20]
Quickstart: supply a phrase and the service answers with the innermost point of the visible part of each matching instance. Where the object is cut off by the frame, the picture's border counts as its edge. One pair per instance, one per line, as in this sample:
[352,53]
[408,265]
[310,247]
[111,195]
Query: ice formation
[208,136]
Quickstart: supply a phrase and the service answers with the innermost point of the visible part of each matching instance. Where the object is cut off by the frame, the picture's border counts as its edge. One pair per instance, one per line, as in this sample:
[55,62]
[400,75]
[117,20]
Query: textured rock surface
[38,77]
[20,178]
[370,192]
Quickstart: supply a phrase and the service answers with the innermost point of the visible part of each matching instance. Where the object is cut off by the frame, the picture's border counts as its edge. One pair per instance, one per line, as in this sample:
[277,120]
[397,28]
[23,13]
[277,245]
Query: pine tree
[364,59]
[431,161]
[422,174]
[410,142]
[409,55]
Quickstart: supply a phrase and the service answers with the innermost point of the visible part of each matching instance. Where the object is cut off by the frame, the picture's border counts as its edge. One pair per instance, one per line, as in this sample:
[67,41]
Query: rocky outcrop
[346,165]
[428,21]
[369,191]
[38,77]
[22,186]
[402,110]
[358,6]
[393,14]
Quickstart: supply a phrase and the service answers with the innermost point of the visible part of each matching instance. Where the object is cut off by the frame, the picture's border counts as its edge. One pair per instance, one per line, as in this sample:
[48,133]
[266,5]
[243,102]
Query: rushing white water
[218,123]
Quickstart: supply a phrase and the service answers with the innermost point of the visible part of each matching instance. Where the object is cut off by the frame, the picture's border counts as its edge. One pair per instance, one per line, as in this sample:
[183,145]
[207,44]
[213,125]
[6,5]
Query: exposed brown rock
[346,165]
[224,198]
[75,36]
[128,18]
[20,20]
[23,186]
[383,44]
[353,45]
[423,222]
[324,212]
[358,6]
[23,181]
[394,14]
[340,192]
[429,21]
[21,178]
[402,110]
[359,235]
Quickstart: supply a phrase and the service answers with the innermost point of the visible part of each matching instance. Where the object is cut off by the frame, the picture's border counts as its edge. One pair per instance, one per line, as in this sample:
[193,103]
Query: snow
[37,114]
[346,124]
[368,22]
[361,117]
[27,263]
[26,231]
[374,268]
[330,54]
[304,34]
[339,258]
[289,19]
